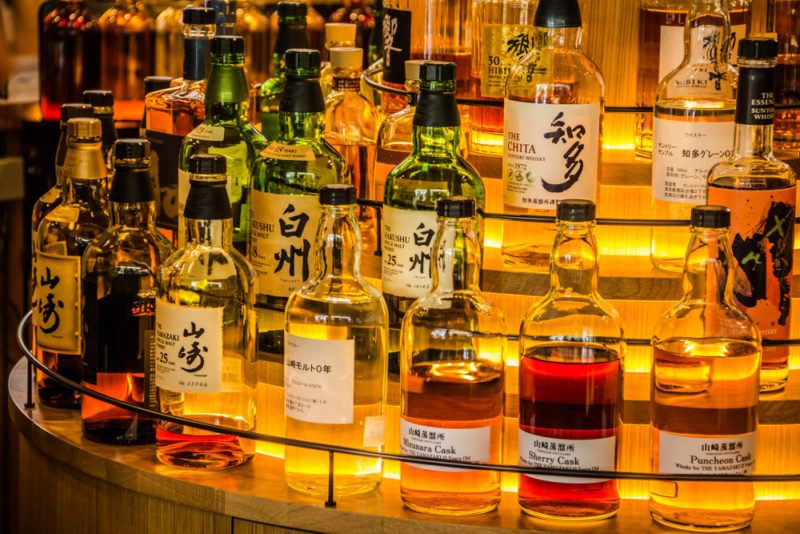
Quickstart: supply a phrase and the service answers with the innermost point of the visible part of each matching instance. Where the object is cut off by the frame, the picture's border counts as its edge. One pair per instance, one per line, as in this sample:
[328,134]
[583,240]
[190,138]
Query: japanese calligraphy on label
[286,152]
[189,350]
[683,153]
[58,305]
[503,45]
[732,455]
[318,379]
[396,44]
[550,153]
[407,248]
[282,247]
[577,454]
[457,444]
[206,132]
[671,49]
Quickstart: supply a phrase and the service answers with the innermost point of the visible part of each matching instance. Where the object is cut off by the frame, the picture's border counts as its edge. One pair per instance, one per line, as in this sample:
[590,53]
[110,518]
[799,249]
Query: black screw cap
[99,98]
[455,207]
[292,9]
[758,48]
[302,58]
[337,195]
[437,71]
[74,111]
[131,149]
[208,164]
[558,14]
[227,44]
[575,210]
[711,217]
[199,15]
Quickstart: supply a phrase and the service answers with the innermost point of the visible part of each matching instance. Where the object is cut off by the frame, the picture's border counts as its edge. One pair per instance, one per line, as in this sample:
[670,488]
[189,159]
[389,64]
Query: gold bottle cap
[412,69]
[83,127]
[346,57]
[340,32]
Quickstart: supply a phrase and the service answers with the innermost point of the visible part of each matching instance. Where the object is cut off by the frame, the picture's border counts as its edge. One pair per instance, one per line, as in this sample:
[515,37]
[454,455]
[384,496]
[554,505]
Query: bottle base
[57,396]
[450,504]
[772,379]
[691,526]
[343,485]
[555,512]
[194,456]
[120,431]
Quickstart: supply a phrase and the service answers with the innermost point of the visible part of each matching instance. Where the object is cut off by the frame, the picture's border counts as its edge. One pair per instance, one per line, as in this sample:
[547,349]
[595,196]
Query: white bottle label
[286,152]
[282,240]
[683,153]
[407,247]
[577,454]
[550,153]
[59,325]
[671,47]
[457,444]
[206,132]
[732,455]
[318,379]
[189,354]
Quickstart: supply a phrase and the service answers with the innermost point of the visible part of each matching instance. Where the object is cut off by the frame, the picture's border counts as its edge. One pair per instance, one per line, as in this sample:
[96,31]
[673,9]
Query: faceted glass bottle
[335,359]
[761,193]
[570,380]
[172,113]
[433,170]
[102,103]
[226,131]
[205,332]
[704,389]
[451,376]
[551,151]
[62,237]
[119,270]
[337,35]
[692,126]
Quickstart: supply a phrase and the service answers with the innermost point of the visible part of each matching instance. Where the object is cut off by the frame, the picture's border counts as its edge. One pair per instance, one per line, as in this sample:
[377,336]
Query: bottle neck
[456,257]
[340,239]
[227,92]
[568,38]
[708,269]
[291,34]
[196,56]
[707,33]
[302,109]
[436,127]
[140,215]
[436,141]
[755,107]
[210,232]
[84,174]
[573,263]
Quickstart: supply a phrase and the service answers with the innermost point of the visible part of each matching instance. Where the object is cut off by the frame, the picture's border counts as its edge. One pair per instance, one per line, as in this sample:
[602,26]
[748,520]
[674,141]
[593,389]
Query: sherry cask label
[550,153]
[318,379]
[58,303]
[577,454]
[407,248]
[457,444]
[503,45]
[712,455]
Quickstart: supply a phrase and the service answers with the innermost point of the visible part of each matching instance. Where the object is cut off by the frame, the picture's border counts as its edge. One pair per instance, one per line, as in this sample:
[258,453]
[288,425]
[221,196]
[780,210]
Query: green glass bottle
[292,33]
[433,170]
[227,132]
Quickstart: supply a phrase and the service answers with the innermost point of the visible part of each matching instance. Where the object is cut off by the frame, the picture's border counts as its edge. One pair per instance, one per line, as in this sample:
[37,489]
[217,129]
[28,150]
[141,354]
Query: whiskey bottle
[570,380]
[253,25]
[704,392]
[335,359]
[553,111]
[225,131]
[119,270]
[692,126]
[292,33]
[127,55]
[151,85]
[169,40]
[351,127]
[172,113]
[62,237]
[205,332]
[502,35]
[337,35]
[784,21]
[396,29]
[102,103]
[315,23]
[451,376]
[661,25]
[761,192]
[433,170]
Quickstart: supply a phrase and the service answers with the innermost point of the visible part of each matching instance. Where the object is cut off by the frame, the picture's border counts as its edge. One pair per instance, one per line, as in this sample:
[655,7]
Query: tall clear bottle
[452,377]
[205,331]
[692,126]
[761,193]
[704,389]
[433,170]
[335,359]
[553,113]
[169,40]
[62,238]
[225,131]
[119,270]
[570,380]
[102,103]
[337,35]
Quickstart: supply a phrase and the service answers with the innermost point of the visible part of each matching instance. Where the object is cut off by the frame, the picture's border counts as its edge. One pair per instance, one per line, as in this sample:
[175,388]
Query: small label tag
[577,454]
[282,151]
[374,430]
[456,444]
[206,132]
[64,214]
[712,455]
[50,196]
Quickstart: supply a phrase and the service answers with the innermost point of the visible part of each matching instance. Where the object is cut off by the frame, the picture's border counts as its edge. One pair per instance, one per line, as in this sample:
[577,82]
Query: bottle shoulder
[701,320]
[704,82]
[462,310]
[415,178]
[573,315]
[752,173]
[209,270]
[556,75]
[124,245]
[337,301]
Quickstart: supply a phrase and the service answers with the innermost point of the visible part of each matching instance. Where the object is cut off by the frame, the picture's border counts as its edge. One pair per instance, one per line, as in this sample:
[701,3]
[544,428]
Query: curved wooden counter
[69,484]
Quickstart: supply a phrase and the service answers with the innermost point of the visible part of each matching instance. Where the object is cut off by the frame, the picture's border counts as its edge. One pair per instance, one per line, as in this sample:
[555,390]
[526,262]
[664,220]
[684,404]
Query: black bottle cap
[156,83]
[711,217]
[456,207]
[558,14]
[437,71]
[99,98]
[575,210]
[227,44]
[199,15]
[207,200]
[208,164]
[302,58]
[74,111]
[337,195]
[131,149]
[292,9]
[758,48]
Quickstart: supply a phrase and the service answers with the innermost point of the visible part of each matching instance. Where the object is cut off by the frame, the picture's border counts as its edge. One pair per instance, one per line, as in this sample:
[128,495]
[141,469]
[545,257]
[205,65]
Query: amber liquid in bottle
[786,24]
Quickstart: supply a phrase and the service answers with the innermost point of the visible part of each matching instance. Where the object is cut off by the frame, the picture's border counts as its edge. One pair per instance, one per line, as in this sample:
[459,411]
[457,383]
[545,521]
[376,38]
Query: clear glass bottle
[704,389]
[102,103]
[118,277]
[433,170]
[291,33]
[452,351]
[570,380]
[553,113]
[784,21]
[169,39]
[315,23]
[337,35]
[351,127]
[692,126]
[225,131]
[761,192]
[205,331]
[335,359]
[502,35]
[171,114]
[62,237]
